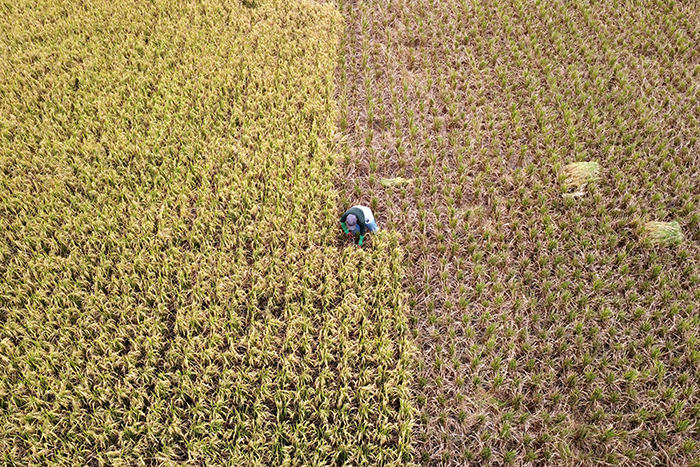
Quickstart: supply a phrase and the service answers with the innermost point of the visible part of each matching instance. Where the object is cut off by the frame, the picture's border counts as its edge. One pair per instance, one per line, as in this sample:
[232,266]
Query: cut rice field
[551,226]
[173,288]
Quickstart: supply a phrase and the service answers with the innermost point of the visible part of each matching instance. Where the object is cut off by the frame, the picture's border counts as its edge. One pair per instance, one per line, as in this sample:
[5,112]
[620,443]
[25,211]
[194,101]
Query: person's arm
[363,231]
[342,223]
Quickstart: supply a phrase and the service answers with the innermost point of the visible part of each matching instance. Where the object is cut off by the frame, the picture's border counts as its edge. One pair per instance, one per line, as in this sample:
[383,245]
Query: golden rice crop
[172,286]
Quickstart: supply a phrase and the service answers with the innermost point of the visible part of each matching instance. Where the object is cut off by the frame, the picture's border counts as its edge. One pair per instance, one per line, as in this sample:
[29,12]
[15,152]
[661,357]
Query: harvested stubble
[169,282]
[550,334]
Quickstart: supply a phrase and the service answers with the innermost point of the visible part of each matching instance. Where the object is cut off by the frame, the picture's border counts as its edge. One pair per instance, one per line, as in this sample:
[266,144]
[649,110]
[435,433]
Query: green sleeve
[362,237]
[345,228]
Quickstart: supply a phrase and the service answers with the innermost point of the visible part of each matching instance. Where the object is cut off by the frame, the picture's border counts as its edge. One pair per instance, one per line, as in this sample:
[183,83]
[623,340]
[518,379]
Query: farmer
[358,219]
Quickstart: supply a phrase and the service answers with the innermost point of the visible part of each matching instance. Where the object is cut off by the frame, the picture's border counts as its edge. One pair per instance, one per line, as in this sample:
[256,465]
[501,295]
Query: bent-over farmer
[358,219]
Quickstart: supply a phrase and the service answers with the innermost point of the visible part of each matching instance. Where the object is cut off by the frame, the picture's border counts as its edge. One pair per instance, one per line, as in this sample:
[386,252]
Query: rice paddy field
[551,226]
[175,288]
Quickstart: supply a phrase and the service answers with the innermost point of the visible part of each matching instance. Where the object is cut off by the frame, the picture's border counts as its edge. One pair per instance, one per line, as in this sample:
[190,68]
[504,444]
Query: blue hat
[351,221]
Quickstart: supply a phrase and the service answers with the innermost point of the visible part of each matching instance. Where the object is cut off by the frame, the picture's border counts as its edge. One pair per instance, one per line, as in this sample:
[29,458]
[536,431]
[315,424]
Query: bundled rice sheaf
[664,233]
[395,182]
[578,174]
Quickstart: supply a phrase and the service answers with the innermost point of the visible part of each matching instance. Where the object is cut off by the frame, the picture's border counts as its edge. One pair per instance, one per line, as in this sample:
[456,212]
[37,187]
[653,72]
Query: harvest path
[550,333]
